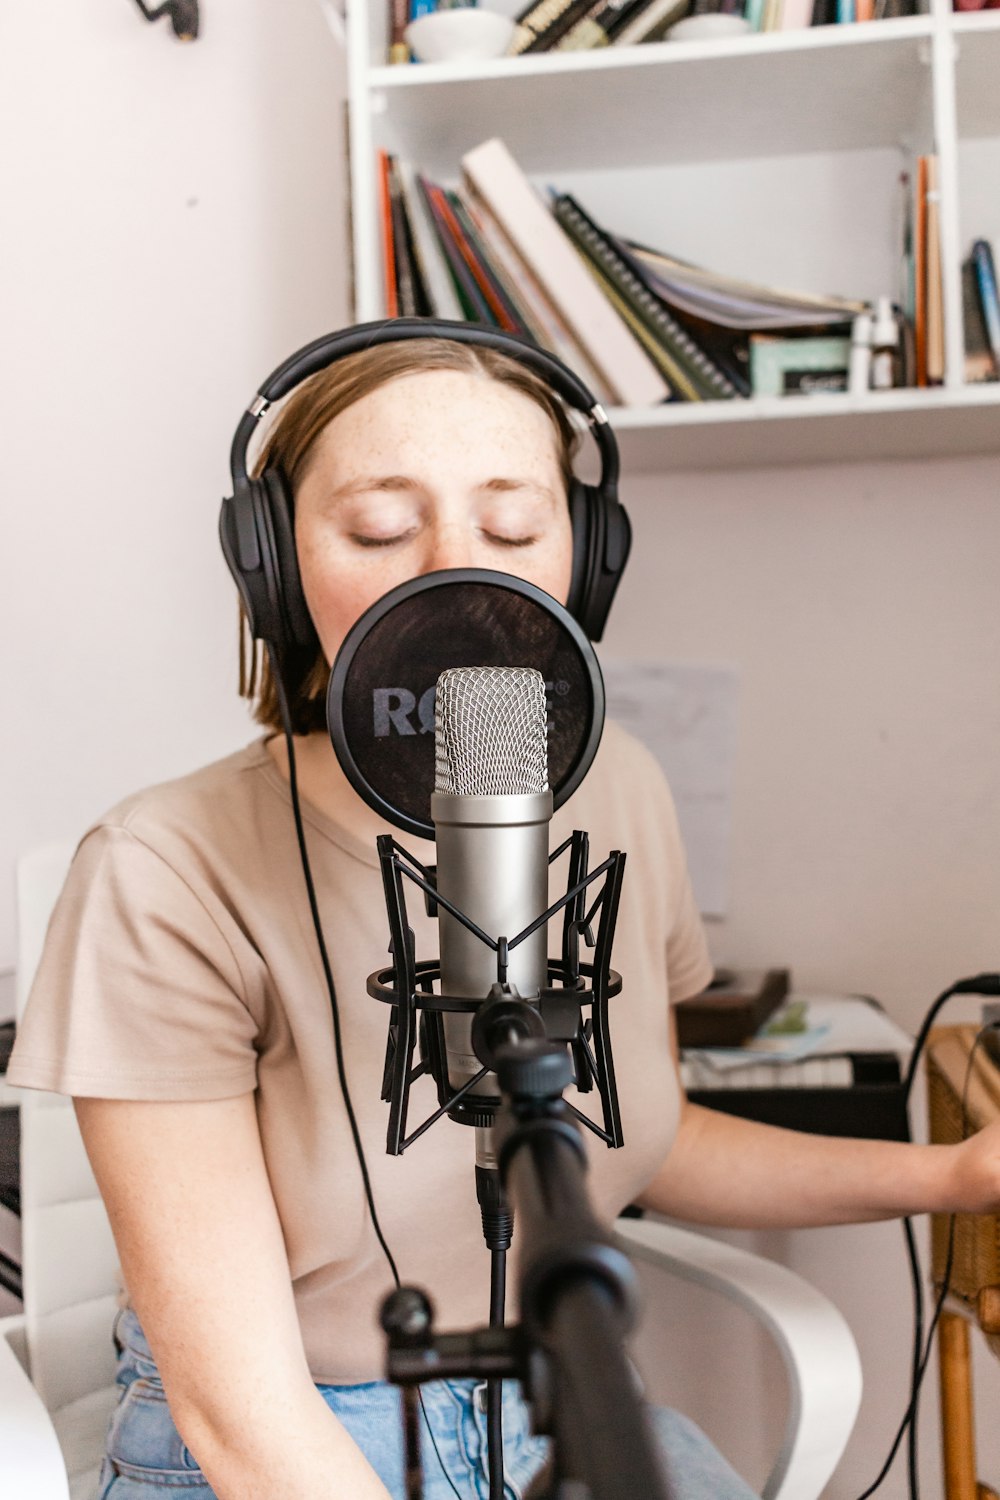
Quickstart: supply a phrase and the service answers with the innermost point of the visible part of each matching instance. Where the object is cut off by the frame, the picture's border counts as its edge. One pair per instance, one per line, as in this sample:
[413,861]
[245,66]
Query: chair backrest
[69,1263]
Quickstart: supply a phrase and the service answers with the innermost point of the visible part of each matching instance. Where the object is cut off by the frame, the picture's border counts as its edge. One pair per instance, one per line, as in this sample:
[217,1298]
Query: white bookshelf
[776,156]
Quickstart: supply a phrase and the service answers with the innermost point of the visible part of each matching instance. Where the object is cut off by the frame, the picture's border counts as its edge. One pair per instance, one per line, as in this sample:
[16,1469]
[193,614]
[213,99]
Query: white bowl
[716,23]
[465,34]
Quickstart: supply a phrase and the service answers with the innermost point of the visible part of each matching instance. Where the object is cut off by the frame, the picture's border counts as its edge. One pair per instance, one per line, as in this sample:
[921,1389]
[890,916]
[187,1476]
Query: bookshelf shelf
[651,105]
[900,424]
[777,157]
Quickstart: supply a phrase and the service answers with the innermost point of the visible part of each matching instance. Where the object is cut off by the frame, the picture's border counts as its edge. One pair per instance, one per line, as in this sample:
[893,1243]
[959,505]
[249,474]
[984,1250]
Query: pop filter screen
[380,702]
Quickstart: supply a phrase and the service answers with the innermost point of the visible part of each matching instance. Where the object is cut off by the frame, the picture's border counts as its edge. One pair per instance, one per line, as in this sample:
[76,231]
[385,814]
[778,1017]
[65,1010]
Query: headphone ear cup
[580,500]
[245,543]
[297,626]
[602,537]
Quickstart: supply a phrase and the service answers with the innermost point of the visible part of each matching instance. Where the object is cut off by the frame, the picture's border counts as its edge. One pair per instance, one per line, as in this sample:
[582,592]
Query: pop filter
[380,701]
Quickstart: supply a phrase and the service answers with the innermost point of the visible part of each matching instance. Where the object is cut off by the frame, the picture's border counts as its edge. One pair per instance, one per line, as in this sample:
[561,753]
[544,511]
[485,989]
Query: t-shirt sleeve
[689,967]
[139,993]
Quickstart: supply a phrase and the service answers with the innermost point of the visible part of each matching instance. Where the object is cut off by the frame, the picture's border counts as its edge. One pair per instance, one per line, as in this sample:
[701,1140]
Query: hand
[975,1177]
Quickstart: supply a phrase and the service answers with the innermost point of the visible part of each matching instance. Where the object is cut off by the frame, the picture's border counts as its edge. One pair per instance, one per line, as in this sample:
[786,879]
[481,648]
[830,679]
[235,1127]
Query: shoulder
[628,775]
[620,753]
[186,850]
[207,808]
[625,797]
[232,779]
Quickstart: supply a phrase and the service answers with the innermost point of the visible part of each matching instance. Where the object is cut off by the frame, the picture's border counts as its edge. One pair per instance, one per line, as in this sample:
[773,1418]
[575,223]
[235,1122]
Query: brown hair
[289,445]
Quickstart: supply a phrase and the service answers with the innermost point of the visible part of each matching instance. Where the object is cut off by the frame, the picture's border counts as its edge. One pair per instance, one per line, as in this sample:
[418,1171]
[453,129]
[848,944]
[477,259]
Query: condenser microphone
[491,810]
[465,706]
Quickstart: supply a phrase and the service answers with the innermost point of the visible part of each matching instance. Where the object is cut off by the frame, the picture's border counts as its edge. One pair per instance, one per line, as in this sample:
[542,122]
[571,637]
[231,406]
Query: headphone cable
[286,720]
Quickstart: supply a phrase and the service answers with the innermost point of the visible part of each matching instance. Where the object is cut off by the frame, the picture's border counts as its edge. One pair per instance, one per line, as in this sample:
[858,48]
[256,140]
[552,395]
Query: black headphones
[256,525]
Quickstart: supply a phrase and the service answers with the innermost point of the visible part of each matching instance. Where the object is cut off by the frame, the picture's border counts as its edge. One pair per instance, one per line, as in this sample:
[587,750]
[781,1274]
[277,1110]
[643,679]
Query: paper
[765,1049]
[686,715]
[835,1025]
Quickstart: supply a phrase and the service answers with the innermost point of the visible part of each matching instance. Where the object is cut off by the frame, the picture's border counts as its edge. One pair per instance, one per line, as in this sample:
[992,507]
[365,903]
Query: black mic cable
[338,1043]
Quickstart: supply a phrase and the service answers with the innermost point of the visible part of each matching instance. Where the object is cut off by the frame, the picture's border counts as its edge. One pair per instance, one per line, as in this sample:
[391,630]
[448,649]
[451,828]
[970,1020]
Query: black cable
[338,1043]
[916,1281]
[494,1388]
[286,720]
[982,984]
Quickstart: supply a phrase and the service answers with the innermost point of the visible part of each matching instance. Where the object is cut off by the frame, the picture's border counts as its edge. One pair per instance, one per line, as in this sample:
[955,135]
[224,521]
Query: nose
[449,546]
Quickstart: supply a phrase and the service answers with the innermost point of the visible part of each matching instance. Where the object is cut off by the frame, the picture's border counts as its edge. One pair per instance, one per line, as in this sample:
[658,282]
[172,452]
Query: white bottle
[885,341]
[859,370]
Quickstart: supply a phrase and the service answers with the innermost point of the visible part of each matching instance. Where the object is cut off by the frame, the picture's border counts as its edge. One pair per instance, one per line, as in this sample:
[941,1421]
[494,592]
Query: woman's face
[440,469]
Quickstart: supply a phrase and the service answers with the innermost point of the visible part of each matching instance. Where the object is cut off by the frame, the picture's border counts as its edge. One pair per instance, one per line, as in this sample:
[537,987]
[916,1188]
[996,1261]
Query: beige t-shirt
[181,963]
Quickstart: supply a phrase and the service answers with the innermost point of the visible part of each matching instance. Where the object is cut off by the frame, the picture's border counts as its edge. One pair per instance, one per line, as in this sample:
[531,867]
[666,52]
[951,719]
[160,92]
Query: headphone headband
[325,351]
[257,522]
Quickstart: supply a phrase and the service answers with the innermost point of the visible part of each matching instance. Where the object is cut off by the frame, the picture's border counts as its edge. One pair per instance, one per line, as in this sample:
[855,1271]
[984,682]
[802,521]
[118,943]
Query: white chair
[52,1429]
[57,1363]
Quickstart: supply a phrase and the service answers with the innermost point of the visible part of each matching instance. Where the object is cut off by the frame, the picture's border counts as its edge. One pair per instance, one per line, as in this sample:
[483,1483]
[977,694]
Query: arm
[737,1173]
[201,1247]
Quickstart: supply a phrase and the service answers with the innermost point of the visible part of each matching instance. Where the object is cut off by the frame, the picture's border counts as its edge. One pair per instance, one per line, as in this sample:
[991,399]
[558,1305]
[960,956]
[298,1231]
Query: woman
[181,1003]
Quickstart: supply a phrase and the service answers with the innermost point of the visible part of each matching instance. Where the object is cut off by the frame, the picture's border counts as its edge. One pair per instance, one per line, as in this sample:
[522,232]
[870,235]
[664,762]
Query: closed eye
[510,541]
[360,540]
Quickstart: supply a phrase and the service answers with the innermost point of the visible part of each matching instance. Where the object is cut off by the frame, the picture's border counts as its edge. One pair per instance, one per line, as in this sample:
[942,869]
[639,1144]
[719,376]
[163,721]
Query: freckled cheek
[335,597]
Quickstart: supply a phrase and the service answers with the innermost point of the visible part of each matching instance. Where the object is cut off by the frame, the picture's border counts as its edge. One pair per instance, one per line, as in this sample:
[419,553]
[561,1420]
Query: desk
[975,1279]
[852,1085]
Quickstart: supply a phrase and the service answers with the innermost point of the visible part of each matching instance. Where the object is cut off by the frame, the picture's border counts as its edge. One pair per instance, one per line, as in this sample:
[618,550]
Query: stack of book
[580,25]
[569,25]
[638,325]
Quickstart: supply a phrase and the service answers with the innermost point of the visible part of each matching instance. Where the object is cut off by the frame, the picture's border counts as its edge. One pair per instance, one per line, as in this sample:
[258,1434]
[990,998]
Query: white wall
[859,604]
[175,227]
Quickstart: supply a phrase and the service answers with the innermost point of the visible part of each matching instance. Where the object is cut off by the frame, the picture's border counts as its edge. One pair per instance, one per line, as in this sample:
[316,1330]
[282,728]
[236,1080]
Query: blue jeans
[146,1454]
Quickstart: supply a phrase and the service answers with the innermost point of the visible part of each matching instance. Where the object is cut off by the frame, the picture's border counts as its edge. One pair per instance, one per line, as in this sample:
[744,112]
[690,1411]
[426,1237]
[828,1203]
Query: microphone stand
[578,1302]
[499,1020]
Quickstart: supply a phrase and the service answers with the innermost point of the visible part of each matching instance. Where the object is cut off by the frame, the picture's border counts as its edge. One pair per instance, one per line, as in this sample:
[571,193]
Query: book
[920,271]
[550,329]
[701,374]
[979,360]
[399,19]
[499,292]
[600,25]
[729,301]
[411,297]
[388,250]
[475,307]
[652,23]
[606,340]
[935,290]
[798,366]
[796,14]
[541,18]
[427,250]
[986,284]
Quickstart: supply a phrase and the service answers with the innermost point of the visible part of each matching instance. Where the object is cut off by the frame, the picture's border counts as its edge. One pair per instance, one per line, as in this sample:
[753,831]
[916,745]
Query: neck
[322,782]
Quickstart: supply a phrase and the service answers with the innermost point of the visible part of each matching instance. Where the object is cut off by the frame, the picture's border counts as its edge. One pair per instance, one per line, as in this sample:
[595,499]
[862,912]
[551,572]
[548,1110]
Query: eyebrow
[373,483]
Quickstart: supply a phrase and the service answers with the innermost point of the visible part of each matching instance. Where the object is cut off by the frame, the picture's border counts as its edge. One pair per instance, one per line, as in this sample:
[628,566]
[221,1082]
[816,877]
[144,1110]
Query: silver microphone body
[491,813]
[492,863]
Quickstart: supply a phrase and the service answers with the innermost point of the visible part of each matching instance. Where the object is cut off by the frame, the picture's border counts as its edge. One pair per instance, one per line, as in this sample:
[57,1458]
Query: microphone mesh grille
[490,732]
